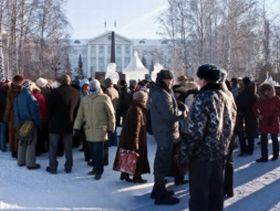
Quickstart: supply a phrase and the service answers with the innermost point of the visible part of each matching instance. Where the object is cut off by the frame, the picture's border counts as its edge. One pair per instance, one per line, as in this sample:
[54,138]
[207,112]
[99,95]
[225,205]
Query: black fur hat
[165,74]
[209,72]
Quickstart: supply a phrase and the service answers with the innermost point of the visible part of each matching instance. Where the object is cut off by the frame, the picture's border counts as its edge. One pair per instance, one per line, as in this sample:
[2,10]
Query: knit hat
[17,79]
[84,82]
[208,72]
[165,74]
[41,82]
[95,86]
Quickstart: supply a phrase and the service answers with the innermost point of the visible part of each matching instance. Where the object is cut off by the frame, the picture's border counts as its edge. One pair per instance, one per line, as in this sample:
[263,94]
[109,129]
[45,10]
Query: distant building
[96,52]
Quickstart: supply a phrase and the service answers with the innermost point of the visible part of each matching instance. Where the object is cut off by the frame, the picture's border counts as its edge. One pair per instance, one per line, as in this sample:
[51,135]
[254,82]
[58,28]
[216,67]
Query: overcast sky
[135,18]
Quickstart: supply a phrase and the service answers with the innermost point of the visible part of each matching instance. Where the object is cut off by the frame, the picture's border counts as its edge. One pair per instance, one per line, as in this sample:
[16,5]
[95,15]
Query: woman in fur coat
[133,137]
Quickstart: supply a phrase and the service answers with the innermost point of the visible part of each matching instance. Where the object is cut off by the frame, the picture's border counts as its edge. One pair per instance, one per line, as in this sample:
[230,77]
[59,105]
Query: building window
[126,61]
[93,61]
[127,50]
[101,50]
[101,63]
[119,49]
[109,50]
[93,50]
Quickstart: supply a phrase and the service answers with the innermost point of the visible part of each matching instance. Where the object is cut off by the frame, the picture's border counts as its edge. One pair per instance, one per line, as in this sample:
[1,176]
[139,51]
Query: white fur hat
[41,82]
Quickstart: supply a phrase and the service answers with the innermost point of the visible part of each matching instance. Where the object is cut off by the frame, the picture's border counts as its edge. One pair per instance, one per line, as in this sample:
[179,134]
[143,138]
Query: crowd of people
[195,125]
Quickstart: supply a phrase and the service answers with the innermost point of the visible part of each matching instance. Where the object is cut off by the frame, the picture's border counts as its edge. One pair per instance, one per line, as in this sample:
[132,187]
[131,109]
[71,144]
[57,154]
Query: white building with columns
[96,52]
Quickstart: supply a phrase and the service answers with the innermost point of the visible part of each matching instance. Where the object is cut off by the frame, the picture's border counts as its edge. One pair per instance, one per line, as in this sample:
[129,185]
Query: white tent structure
[112,73]
[135,70]
[157,68]
[270,80]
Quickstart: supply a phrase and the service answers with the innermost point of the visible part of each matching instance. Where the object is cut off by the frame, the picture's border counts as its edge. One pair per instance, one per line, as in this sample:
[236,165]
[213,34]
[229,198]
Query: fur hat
[267,91]
[95,86]
[140,96]
[108,82]
[246,81]
[165,74]
[41,82]
[208,72]
[64,79]
[17,79]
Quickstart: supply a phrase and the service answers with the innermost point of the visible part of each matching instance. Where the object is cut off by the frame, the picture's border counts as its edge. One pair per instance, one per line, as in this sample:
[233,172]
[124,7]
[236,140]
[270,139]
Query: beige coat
[98,114]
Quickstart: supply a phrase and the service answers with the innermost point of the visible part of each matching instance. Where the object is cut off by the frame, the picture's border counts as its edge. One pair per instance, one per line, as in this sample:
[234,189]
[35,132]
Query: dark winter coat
[210,125]
[133,137]
[164,116]
[14,90]
[245,102]
[3,99]
[26,107]
[124,100]
[268,107]
[62,109]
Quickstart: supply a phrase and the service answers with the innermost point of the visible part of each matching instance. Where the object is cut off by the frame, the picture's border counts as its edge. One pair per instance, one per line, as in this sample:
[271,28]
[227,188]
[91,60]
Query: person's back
[208,133]
[62,108]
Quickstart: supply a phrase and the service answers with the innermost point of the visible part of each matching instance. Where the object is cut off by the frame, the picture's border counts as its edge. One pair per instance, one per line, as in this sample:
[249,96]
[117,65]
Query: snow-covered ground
[257,186]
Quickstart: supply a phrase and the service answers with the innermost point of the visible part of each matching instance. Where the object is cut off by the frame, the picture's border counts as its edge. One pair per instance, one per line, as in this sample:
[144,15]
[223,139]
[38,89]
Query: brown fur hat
[266,91]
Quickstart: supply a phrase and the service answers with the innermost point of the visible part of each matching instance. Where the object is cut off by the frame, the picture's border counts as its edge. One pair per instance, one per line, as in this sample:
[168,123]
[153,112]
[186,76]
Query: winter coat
[26,107]
[3,99]
[164,116]
[124,100]
[134,138]
[114,96]
[97,111]
[62,109]
[210,125]
[245,102]
[42,104]
[269,108]
[13,91]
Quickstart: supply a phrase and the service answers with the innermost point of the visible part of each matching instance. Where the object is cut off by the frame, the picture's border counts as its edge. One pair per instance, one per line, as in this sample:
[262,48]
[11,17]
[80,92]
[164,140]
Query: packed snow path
[257,186]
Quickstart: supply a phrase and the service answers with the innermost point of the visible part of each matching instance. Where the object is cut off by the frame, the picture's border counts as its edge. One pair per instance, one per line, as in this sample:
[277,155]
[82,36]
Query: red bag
[127,161]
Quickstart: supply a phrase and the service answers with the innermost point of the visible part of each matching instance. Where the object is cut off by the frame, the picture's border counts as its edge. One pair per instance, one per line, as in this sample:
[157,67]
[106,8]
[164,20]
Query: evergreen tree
[80,67]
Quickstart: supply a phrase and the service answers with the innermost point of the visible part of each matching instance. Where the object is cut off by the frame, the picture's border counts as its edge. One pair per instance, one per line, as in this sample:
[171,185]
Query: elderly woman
[133,137]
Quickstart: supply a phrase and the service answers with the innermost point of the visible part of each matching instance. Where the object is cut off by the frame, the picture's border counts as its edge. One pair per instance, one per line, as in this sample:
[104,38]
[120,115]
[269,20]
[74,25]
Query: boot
[125,176]
[162,196]
[139,179]
[154,191]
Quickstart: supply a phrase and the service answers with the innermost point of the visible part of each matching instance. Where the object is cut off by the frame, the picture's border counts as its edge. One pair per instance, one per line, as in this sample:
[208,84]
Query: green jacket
[97,112]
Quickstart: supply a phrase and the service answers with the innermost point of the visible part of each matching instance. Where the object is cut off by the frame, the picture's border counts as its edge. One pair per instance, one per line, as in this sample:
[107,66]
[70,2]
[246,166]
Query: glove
[76,132]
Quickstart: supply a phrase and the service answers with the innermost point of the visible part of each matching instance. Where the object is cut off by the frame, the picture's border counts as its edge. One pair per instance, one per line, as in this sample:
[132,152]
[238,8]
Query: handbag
[127,161]
[25,130]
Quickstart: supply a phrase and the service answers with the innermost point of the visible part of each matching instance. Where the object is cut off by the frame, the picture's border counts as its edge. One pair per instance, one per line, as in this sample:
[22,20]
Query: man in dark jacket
[247,121]
[62,109]
[165,125]
[26,108]
[208,132]
[4,87]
